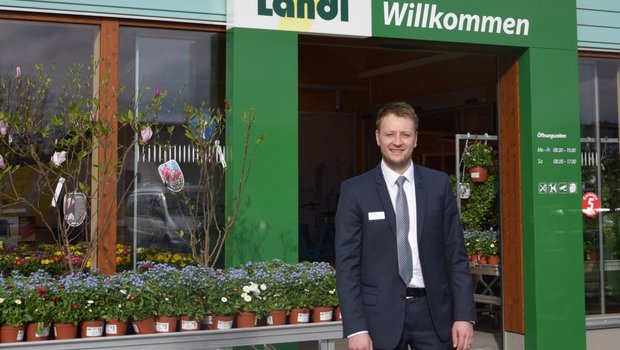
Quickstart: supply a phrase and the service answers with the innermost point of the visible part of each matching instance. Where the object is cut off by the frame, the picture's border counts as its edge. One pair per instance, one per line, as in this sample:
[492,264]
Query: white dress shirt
[390,176]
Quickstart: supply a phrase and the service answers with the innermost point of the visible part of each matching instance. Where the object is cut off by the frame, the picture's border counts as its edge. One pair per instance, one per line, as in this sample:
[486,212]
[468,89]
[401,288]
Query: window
[187,66]
[599,88]
[56,48]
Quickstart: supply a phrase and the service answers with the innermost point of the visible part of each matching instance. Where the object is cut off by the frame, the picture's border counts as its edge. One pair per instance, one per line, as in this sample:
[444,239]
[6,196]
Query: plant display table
[323,333]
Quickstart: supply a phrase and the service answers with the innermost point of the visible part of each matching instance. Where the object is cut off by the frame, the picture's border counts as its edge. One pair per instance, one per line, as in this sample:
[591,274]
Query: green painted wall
[186,10]
[552,218]
[262,74]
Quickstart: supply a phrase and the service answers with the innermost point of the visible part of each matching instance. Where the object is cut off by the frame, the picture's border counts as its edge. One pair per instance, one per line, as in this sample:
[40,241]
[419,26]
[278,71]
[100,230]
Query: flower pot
[299,316]
[483,260]
[207,322]
[10,334]
[474,258]
[493,259]
[166,324]
[65,330]
[478,174]
[337,314]
[322,314]
[246,319]
[189,324]
[115,328]
[223,321]
[146,326]
[33,335]
[90,329]
[276,318]
[591,256]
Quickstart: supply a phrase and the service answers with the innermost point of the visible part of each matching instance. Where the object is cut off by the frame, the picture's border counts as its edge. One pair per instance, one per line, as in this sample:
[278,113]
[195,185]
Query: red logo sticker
[590,204]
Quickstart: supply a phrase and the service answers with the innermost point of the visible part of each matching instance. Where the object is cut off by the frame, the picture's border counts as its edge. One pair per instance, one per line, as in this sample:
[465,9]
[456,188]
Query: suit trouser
[419,332]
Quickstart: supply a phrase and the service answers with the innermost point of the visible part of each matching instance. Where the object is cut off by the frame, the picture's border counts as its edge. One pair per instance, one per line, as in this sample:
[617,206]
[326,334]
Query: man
[401,267]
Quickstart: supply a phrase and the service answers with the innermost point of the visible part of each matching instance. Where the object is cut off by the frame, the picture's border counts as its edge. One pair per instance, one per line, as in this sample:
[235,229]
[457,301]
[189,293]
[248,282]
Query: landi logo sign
[344,17]
[305,9]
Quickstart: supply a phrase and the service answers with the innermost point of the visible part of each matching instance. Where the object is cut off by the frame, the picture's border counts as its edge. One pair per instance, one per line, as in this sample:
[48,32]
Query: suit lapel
[420,200]
[385,198]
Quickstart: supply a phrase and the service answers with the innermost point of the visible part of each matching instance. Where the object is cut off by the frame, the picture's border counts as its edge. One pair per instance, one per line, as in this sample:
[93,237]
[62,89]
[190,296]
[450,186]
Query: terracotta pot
[166,324]
[189,324]
[483,260]
[10,334]
[299,316]
[478,174]
[33,335]
[246,319]
[322,314]
[90,329]
[591,256]
[276,318]
[223,321]
[146,326]
[65,330]
[337,314]
[493,259]
[207,322]
[115,328]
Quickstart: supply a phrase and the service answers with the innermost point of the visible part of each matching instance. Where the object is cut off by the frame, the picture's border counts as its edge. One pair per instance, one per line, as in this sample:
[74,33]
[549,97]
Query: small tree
[49,145]
[204,129]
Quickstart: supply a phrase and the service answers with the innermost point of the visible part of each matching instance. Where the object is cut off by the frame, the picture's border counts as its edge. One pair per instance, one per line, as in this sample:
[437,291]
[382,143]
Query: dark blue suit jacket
[370,290]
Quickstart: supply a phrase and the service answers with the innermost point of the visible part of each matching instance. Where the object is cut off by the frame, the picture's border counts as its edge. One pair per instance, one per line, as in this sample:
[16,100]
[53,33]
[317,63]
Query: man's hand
[360,342]
[462,335]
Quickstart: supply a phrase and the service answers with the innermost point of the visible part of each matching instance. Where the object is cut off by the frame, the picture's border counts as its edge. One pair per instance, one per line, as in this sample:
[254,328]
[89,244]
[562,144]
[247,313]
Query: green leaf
[82,154]
[57,121]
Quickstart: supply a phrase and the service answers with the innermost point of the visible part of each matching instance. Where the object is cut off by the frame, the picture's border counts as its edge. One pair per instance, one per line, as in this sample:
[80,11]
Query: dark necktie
[405,265]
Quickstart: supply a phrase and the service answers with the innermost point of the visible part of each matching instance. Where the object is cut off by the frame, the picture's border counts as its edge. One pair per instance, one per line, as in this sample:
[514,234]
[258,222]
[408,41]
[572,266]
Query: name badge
[376,215]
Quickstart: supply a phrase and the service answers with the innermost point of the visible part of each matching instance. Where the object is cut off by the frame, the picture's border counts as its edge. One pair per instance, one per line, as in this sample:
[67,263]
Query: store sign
[523,23]
[340,17]
[431,16]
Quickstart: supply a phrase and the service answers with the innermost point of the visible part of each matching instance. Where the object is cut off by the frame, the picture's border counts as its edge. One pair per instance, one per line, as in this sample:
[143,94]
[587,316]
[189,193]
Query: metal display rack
[486,278]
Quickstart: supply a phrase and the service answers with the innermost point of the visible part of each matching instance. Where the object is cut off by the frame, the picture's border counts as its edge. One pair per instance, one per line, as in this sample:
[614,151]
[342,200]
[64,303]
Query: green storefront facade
[545,298]
[548,102]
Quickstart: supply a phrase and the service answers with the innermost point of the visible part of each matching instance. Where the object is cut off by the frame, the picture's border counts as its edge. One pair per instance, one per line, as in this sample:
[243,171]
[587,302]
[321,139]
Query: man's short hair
[400,109]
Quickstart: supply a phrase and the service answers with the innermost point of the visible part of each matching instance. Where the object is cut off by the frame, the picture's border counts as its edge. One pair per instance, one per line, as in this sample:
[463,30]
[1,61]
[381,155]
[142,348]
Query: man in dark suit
[401,267]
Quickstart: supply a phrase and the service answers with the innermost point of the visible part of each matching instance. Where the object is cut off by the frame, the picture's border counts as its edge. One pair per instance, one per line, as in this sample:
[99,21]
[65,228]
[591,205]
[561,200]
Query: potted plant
[590,250]
[12,312]
[117,309]
[39,305]
[478,157]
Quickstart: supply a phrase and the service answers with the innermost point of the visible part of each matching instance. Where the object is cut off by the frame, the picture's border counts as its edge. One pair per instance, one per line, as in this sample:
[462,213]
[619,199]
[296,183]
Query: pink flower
[156,90]
[2,165]
[92,117]
[10,139]
[146,133]
[18,72]
[3,127]
[59,157]
[166,174]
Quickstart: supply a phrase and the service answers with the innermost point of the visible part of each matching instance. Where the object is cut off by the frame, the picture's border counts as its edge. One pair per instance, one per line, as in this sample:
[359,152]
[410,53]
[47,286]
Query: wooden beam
[108,157]
[510,179]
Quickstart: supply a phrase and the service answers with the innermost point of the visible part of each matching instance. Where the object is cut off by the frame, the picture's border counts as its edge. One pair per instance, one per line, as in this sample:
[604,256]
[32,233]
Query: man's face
[397,138]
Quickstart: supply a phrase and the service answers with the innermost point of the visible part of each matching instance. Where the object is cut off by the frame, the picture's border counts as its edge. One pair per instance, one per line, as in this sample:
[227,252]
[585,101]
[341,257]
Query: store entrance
[342,84]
